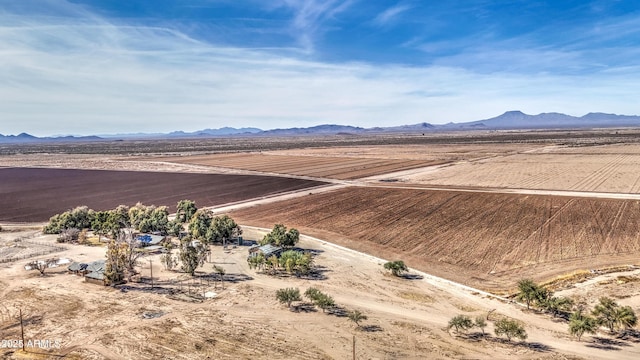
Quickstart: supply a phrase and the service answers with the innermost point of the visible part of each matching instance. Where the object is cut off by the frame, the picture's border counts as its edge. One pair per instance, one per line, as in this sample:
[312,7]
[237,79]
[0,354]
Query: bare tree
[131,247]
[220,271]
[42,265]
[68,235]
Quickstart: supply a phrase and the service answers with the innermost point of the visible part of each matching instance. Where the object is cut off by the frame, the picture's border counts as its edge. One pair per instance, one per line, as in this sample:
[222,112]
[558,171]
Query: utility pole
[354,347]
[151,268]
[21,329]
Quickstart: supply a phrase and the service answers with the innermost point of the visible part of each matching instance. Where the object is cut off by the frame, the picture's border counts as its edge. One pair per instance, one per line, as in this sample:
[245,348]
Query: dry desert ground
[467,216]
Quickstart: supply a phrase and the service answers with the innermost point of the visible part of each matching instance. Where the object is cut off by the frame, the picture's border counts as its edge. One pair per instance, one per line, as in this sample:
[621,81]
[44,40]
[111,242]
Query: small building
[153,249]
[95,278]
[95,272]
[151,240]
[77,268]
[92,272]
[267,250]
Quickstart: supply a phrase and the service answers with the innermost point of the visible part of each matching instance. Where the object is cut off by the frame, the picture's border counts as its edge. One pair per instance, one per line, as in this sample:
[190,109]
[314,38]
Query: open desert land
[384,197]
[407,319]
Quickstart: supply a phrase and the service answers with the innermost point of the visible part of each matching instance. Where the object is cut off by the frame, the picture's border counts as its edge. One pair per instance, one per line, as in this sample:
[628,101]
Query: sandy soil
[607,168]
[407,318]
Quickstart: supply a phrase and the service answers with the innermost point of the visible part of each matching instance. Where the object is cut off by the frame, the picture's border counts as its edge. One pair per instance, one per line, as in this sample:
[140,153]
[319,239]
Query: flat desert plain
[556,206]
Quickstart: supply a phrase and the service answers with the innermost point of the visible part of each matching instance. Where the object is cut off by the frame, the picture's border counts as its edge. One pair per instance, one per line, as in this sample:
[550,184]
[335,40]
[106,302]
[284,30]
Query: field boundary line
[514,191]
[273,197]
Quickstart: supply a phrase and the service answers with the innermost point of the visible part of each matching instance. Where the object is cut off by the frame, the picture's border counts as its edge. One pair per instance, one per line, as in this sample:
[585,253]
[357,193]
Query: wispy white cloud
[391,14]
[310,16]
[84,74]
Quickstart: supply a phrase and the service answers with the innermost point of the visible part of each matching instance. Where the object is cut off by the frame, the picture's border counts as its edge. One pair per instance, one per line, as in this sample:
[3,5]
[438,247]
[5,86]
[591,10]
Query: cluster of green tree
[541,297]
[397,267]
[507,327]
[279,236]
[212,229]
[317,297]
[606,313]
[143,218]
[291,261]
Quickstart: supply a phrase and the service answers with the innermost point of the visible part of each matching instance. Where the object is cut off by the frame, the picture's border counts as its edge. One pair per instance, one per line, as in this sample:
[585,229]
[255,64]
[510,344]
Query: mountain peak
[513,113]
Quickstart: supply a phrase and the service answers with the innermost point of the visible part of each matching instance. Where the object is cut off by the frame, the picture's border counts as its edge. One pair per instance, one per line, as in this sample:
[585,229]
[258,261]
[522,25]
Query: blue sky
[112,66]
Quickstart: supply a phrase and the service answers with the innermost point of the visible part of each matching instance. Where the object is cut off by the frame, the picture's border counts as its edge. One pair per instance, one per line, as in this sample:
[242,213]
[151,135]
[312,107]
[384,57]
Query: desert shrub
[460,322]
[288,295]
[397,268]
[68,235]
[168,261]
[510,329]
[319,298]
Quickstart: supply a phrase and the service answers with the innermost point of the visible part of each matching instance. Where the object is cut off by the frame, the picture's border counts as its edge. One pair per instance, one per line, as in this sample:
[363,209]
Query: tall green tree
[200,223]
[279,236]
[222,229]
[580,323]
[149,218]
[528,291]
[192,255]
[111,222]
[174,228]
[185,210]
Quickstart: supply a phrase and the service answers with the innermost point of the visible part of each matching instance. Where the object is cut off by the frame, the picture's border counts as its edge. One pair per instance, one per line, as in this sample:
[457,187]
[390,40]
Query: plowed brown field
[481,239]
[29,194]
[610,168]
[315,166]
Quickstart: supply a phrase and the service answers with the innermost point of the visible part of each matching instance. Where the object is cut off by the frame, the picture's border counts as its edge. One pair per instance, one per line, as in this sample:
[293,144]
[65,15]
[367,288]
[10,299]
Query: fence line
[50,248]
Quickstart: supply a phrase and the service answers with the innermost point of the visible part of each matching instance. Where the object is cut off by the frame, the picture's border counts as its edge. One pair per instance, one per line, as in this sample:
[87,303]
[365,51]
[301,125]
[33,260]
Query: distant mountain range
[26,138]
[520,120]
[510,120]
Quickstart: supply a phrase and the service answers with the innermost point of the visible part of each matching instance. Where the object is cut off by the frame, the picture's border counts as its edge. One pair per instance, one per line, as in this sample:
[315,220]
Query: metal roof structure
[267,250]
[148,239]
